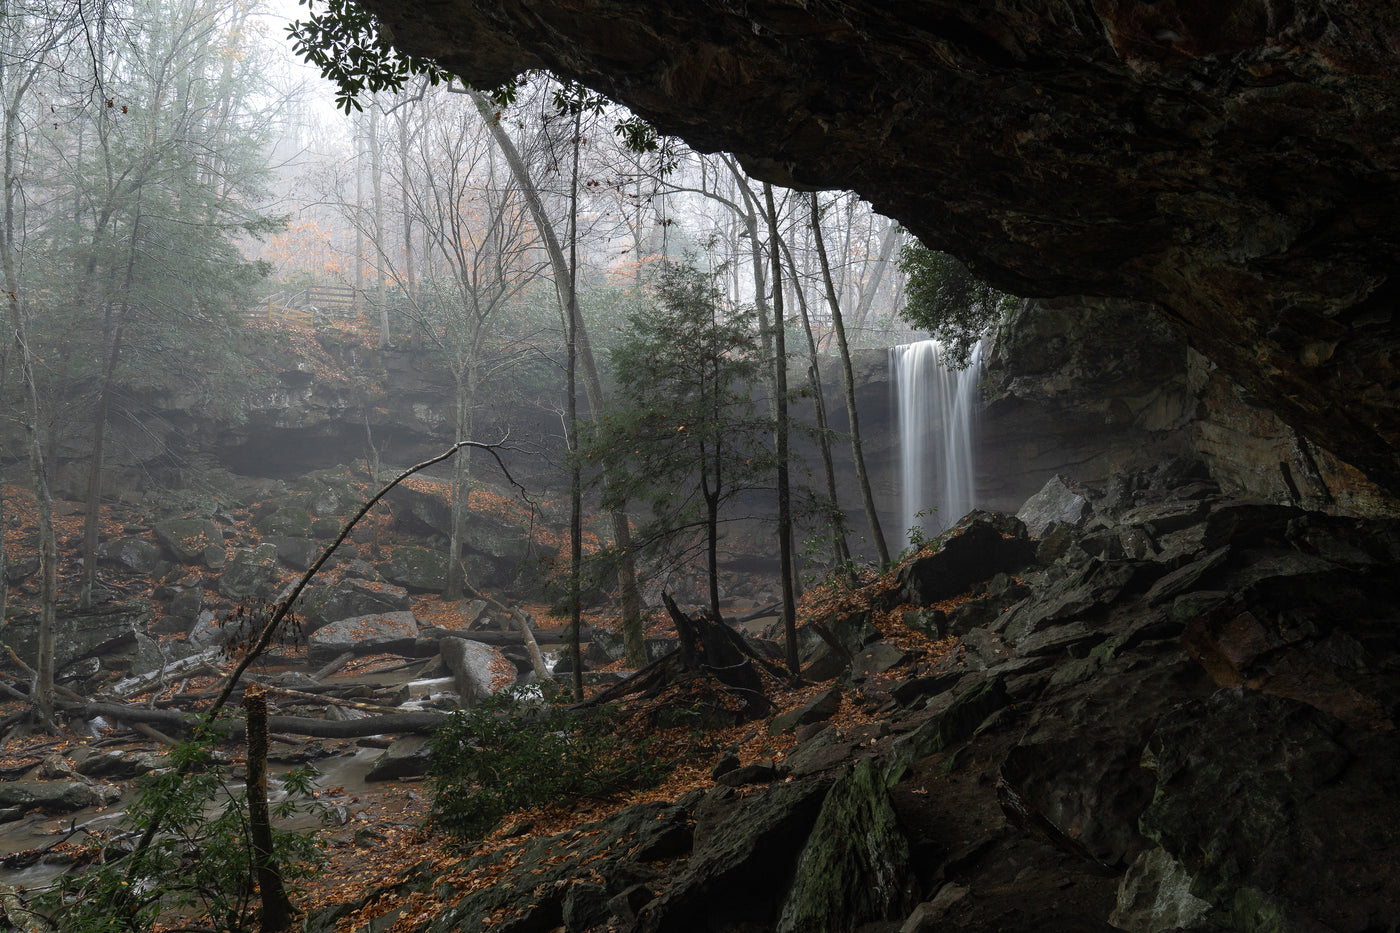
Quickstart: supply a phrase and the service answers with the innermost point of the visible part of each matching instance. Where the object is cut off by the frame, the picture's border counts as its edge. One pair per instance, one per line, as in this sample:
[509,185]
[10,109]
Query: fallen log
[328,701]
[651,677]
[151,732]
[522,621]
[179,721]
[504,639]
[133,685]
[328,669]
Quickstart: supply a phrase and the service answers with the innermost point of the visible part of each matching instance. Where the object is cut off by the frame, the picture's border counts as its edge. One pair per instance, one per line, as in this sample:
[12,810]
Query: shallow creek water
[341,781]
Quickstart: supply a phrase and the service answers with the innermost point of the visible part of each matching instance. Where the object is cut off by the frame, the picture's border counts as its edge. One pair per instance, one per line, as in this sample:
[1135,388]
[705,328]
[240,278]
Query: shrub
[515,751]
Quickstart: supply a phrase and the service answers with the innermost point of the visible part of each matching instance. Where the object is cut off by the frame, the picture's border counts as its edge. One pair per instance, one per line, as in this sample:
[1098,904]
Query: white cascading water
[936,409]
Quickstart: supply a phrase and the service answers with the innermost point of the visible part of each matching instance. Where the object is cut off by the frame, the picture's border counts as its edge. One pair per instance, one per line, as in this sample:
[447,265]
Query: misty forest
[907,473]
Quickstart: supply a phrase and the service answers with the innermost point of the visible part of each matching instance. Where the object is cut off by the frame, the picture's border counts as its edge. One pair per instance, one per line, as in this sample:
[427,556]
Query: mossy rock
[955,724]
[416,568]
[854,868]
[298,553]
[291,522]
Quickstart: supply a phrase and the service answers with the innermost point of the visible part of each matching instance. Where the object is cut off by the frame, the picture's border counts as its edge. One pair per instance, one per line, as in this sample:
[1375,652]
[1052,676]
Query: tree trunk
[712,552]
[575,475]
[893,234]
[276,908]
[410,282]
[94,489]
[99,422]
[359,223]
[461,484]
[48,548]
[376,173]
[629,594]
[836,516]
[178,721]
[760,283]
[781,427]
[848,381]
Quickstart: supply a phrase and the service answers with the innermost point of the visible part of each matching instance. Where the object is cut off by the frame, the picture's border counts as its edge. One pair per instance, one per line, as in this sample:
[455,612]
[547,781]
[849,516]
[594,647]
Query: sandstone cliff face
[1232,164]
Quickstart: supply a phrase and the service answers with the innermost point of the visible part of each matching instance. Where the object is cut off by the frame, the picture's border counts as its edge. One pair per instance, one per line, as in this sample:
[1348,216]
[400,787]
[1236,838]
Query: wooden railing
[299,307]
[339,297]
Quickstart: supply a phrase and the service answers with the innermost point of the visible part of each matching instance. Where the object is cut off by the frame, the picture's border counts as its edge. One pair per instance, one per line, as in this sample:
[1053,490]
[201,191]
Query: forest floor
[382,829]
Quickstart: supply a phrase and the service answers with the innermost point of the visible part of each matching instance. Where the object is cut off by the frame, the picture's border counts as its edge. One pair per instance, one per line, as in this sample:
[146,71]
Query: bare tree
[848,381]
[581,353]
[481,252]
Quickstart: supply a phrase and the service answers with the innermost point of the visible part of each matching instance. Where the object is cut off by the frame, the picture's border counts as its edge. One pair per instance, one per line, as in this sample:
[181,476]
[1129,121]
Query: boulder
[1282,818]
[876,659]
[120,765]
[405,757]
[186,603]
[416,568]
[1155,897]
[1056,503]
[956,723]
[1086,783]
[320,604]
[135,554]
[745,866]
[207,630]
[288,521]
[818,709]
[389,631]
[764,771]
[188,538]
[1069,592]
[80,633]
[297,553]
[253,573]
[854,867]
[62,796]
[475,668]
[974,550]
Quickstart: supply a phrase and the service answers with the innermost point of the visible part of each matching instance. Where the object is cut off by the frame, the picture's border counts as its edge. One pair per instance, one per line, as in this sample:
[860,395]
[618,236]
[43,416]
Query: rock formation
[1179,715]
[1233,165]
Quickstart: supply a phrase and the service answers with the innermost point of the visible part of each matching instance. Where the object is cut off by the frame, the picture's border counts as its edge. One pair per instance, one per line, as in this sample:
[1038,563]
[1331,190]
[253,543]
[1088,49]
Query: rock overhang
[1232,164]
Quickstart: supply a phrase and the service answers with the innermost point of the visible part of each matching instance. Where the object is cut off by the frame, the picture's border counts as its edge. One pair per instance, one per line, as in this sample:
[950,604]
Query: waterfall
[936,411]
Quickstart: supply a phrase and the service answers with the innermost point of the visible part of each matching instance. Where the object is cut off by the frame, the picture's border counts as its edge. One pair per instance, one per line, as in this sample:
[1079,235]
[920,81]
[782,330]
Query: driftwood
[706,647]
[511,639]
[151,732]
[327,670]
[17,915]
[760,613]
[329,701]
[652,677]
[522,620]
[179,721]
[134,685]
